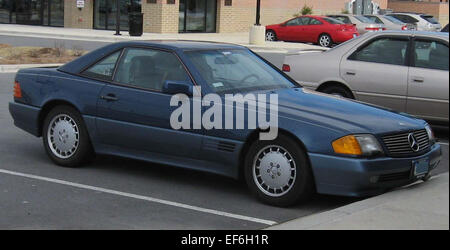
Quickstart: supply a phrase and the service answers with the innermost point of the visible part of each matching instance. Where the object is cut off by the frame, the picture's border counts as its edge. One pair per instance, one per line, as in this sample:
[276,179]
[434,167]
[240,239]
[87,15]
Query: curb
[273,47]
[344,212]
[13,68]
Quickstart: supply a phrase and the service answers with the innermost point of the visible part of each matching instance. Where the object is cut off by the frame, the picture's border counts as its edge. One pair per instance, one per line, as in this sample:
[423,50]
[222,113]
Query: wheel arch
[329,83]
[47,107]
[254,136]
[324,33]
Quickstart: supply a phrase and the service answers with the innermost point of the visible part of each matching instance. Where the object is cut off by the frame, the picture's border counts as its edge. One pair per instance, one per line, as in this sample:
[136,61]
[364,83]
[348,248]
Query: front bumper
[365,177]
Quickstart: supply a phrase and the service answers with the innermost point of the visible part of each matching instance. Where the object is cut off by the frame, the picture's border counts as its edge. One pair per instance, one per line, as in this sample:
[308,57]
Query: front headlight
[357,145]
[430,134]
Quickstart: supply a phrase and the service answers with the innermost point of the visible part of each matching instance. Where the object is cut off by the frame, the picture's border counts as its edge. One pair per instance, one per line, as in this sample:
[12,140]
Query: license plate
[421,166]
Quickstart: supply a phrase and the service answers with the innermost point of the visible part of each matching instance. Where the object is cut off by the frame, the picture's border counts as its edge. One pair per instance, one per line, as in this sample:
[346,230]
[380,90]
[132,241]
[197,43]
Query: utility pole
[258,12]
[117,18]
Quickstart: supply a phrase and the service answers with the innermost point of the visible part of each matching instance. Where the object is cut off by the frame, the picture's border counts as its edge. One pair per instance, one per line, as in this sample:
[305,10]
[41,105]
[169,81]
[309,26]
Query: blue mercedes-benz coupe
[117,100]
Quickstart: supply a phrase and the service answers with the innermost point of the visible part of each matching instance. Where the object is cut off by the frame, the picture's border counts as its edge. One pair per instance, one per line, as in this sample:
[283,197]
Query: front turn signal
[17,90]
[348,145]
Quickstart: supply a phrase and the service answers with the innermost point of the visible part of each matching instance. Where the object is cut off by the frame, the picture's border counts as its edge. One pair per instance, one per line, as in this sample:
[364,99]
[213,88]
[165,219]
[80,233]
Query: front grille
[394,177]
[398,145]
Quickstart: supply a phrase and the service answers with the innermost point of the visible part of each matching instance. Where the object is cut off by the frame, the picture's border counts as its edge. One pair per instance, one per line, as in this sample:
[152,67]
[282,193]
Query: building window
[151,1]
[34,12]
[228,2]
[170,1]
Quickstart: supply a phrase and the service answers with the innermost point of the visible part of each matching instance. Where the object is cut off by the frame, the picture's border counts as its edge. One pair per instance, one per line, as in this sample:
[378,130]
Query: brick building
[172,16]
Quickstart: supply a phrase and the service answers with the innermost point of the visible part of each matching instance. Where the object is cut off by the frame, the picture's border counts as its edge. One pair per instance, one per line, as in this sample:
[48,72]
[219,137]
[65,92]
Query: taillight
[17,90]
[286,68]
[405,27]
[372,29]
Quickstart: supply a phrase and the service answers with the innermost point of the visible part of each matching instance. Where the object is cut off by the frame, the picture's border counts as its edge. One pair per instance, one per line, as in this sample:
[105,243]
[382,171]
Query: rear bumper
[25,117]
[366,177]
[341,37]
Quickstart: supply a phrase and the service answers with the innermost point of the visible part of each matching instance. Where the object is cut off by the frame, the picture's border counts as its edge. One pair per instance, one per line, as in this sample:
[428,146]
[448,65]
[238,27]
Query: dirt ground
[38,55]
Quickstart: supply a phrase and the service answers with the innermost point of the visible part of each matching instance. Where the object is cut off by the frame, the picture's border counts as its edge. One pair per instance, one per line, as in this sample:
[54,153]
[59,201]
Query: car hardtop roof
[413,32]
[184,44]
[80,64]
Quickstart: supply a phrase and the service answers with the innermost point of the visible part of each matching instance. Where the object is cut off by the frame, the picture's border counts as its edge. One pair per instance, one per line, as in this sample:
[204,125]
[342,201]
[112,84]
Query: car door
[293,29]
[133,113]
[283,31]
[314,28]
[428,80]
[377,71]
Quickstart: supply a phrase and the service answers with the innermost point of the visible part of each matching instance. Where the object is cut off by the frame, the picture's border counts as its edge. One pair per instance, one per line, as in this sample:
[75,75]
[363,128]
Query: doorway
[197,16]
[105,13]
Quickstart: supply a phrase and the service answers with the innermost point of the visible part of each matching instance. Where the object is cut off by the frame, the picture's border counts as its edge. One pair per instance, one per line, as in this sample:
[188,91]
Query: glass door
[56,13]
[197,16]
[105,13]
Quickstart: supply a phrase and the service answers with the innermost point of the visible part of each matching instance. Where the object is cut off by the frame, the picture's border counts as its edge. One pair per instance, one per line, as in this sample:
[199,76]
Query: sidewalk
[241,38]
[417,206]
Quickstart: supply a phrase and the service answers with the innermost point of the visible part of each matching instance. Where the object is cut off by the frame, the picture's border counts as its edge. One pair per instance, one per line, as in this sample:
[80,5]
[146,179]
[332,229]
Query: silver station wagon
[402,70]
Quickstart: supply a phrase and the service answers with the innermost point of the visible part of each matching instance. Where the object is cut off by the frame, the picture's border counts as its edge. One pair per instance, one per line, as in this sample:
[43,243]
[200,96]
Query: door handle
[418,79]
[351,73]
[110,97]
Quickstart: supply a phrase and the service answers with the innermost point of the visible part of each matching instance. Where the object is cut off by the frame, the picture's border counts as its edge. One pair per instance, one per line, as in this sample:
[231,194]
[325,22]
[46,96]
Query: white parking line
[141,197]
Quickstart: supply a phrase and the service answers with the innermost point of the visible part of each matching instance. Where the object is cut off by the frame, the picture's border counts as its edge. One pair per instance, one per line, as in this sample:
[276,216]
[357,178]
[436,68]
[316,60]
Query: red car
[324,31]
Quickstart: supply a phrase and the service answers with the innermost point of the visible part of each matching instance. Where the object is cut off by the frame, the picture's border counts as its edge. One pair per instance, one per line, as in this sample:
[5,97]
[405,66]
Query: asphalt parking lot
[113,193]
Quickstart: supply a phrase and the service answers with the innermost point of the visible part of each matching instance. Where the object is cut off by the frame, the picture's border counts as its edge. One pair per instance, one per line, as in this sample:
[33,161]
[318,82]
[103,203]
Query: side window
[430,55]
[303,21]
[104,69]
[314,22]
[383,50]
[293,22]
[149,69]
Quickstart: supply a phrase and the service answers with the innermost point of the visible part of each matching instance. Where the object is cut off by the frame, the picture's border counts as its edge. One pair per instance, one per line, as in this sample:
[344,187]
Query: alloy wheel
[325,41]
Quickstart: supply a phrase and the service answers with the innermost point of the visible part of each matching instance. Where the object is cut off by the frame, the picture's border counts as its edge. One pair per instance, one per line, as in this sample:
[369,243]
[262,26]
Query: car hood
[341,114]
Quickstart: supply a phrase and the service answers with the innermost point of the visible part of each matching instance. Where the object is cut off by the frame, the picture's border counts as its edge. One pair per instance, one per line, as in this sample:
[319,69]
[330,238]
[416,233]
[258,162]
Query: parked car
[403,70]
[363,24]
[324,31]
[117,100]
[423,22]
[445,29]
[390,22]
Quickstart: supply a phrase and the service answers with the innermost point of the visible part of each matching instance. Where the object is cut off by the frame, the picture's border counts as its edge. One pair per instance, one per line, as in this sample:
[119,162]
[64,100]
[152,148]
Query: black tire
[325,40]
[338,90]
[303,184]
[83,152]
[271,33]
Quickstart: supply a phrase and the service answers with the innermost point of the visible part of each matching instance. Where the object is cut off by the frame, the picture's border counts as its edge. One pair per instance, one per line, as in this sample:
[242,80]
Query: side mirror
[177,87]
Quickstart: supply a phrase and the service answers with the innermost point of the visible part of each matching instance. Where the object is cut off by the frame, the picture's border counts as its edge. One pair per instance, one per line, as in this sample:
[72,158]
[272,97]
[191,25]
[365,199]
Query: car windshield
[430,19]
[393,19]
[364,19]
[332,20]
[235,71]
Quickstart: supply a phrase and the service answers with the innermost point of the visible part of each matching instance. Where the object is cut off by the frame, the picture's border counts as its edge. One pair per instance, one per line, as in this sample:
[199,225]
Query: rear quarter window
[430,19]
